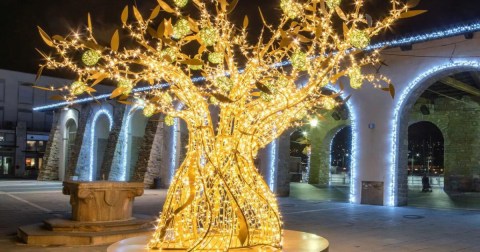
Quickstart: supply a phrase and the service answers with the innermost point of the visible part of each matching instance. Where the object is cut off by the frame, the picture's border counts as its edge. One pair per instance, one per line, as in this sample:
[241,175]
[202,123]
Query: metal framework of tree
[218,200]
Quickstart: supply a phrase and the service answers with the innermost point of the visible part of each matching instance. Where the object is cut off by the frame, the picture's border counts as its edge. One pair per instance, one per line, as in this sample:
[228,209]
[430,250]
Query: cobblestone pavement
[348,227]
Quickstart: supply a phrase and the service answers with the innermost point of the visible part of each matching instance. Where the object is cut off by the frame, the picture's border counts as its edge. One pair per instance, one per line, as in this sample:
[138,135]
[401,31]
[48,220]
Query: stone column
[109,167]
[51,158]
[150,155]
[283,171]
[85,112]
[21,142]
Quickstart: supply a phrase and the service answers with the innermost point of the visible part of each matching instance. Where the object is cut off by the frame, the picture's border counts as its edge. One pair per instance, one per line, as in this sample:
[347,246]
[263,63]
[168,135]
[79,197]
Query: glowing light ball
[78,88]
[208,36]
[181,29]
[127,86]
[91,57]
[356,77]
[299,60]
[291,8]
[329,103]
[215,57]
[224,83]
[180,3]
[358,38]
[169,121]
[170,54]
[149,110]
[333,3]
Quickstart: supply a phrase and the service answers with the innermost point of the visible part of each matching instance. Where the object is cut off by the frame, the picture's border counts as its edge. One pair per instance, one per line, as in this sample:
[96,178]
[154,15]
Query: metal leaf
[89,21]
[263,88]
[245,22]
[412,13]
[56,98]
[45,37]
[165,6]
[154,13]
[413,3]
[340,13]
[231,6]
[115,42]
[117,92]
[124,16]
[39,73]
[222,98]
[137,14]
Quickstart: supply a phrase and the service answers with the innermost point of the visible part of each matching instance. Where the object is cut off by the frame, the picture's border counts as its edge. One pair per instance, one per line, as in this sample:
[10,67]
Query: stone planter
[102,200]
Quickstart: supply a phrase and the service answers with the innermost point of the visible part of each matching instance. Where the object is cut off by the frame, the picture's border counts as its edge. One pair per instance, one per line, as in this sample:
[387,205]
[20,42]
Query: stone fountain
[101,214]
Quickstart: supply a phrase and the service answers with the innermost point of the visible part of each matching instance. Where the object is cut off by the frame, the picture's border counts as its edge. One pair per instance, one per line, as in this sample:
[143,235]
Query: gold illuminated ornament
[328,103]
[169,121]
[208,36]
[291,8]
[356,77]
[217,200]
[181,29]
[180,3]
[149,110]
[358,38]
[91,57]
[215,57]
[333,3]
[170,54]
[126,85]
[78,88]
[299,60]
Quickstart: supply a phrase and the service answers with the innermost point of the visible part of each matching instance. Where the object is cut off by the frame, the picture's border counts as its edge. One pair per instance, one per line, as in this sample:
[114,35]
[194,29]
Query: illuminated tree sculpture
[217,199]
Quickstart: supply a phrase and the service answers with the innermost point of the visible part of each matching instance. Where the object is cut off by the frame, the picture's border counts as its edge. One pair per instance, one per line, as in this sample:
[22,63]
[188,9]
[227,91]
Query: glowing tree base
[293,241]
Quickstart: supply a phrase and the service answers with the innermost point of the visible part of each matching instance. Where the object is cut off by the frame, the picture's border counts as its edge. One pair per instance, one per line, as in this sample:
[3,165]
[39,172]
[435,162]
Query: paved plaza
[348,227]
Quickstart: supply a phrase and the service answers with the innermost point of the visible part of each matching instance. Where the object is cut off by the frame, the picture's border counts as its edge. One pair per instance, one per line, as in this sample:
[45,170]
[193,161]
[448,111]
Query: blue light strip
[92,138]
[400,105]
[125,144]
[458,30]
[273,165]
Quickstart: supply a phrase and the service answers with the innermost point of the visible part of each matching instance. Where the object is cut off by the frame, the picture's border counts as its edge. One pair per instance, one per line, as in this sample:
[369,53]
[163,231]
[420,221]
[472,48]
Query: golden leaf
[168,28]
[114,43]
[90,89]
[165,6]
[161,29]
[137,14]
[152,32]
[245,22]
[39,73]
[345,30]
[263,88]
[261,15]
[222,98]
[340,13]
[99,79]
[195,62]
[369,20]
[412,13]
[56,98]
[154,12]
[392,90]
[89,21]
[45,37]
[124,16]
[223,4]
[126,102]
[231,6]
[58,37]
[117,92]
[42,88]
[193,25]
[412,3]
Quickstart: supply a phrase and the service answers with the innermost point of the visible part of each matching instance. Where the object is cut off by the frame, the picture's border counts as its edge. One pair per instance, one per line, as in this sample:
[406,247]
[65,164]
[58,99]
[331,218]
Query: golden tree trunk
[218,205]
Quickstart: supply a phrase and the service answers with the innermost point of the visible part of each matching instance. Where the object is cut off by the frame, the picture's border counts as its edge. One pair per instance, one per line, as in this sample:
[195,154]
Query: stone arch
[397,182]
[328,144]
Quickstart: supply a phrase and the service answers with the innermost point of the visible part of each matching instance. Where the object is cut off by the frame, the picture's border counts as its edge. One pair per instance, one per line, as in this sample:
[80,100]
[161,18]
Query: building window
[31,146]
[30,164]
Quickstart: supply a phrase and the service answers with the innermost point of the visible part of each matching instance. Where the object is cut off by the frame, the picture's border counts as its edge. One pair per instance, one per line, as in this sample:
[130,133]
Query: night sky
[19,18]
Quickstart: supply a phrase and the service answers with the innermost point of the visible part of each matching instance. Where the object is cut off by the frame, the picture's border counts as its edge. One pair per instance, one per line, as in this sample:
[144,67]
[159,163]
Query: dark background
[19,18]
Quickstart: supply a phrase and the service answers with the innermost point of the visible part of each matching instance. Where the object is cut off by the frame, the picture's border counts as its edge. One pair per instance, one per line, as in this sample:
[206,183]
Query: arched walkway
[398,176]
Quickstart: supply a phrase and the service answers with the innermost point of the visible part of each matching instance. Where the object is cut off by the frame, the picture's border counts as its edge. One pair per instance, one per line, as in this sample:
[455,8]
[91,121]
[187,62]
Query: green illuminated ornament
[78,88]
[224,83]
[166,98]
[127,86]
[149,110]
[195,67]
[291,8]
[215,57]
[181,29]
[356,77]
[358,38]
[91,57]
[208,36]
[299,60]
[180,3]
[329,103]
[282,81]
[333,3]
[213,100]
[170,54]
[169,121]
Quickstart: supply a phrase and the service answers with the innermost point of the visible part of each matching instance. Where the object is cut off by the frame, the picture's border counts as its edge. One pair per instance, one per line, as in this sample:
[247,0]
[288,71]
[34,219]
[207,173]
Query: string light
[94,144]
[207,206]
